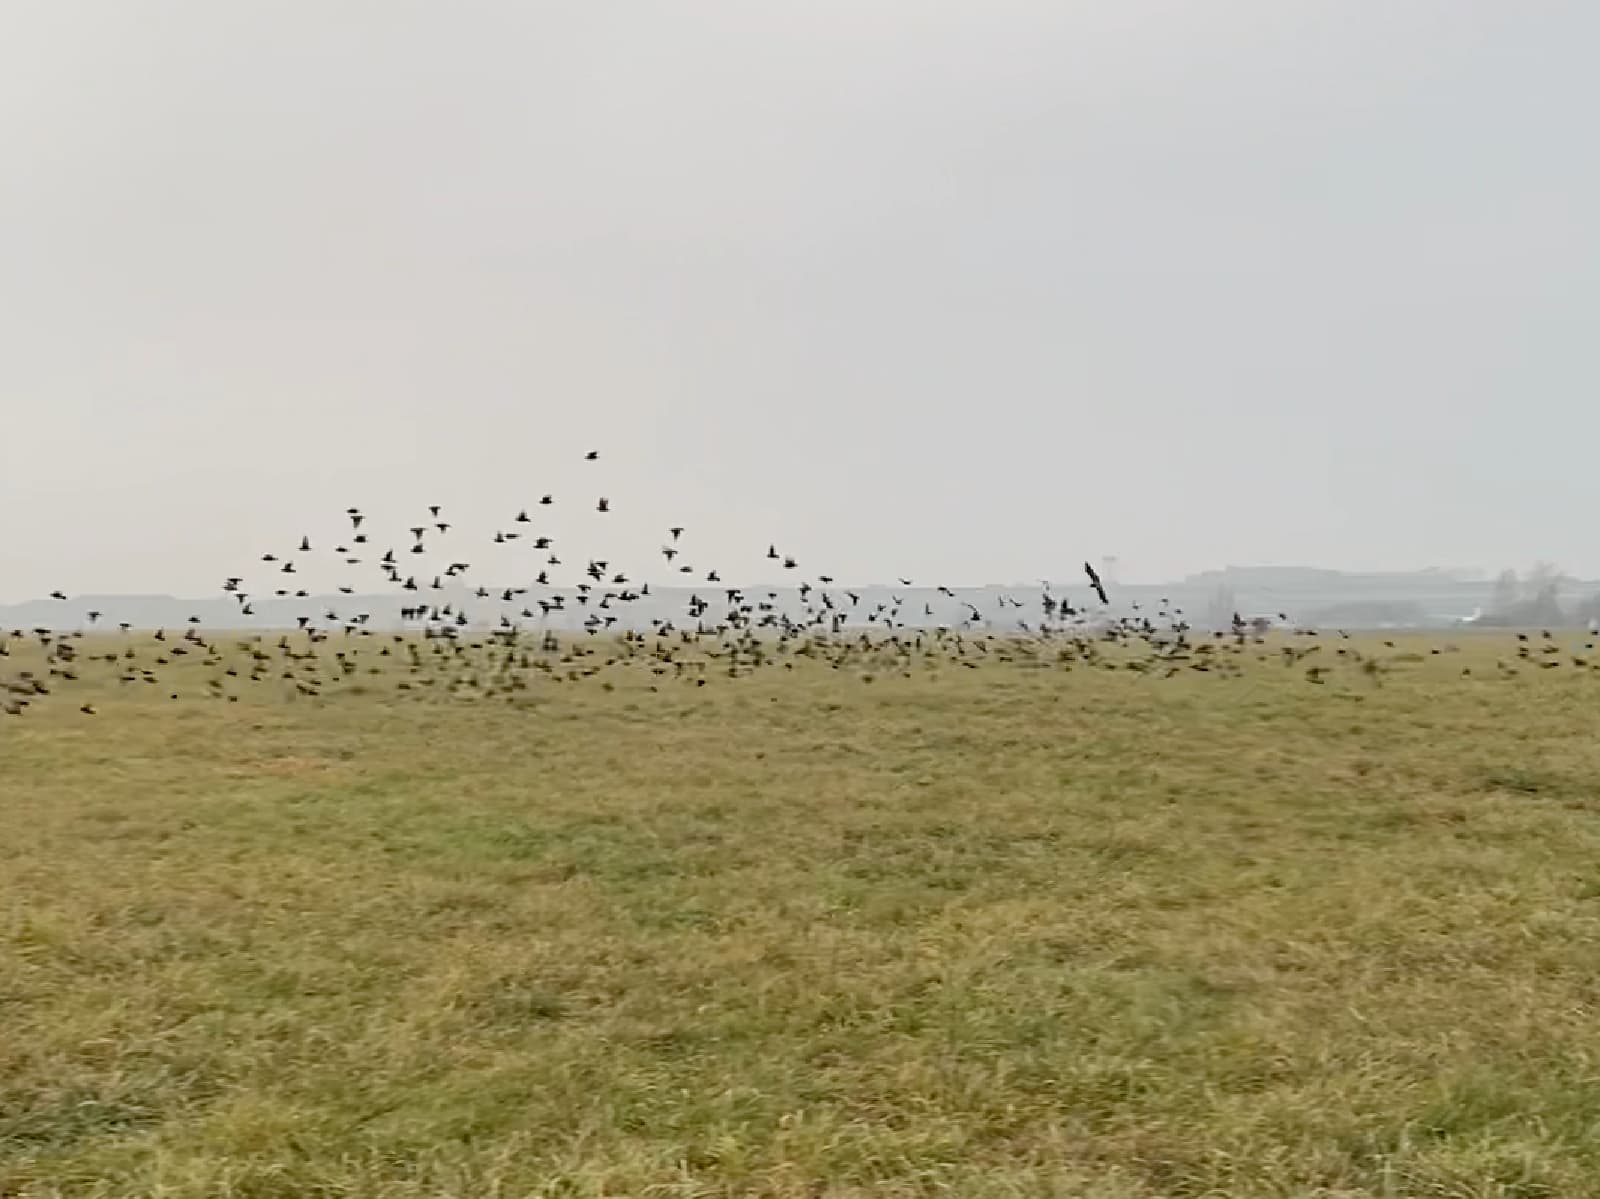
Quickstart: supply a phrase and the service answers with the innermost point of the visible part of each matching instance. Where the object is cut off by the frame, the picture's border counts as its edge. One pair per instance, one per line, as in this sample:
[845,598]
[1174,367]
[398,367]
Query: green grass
[979,932]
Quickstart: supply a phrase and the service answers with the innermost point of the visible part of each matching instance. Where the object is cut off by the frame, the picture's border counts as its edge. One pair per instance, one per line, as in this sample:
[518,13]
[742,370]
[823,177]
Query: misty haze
[796,600]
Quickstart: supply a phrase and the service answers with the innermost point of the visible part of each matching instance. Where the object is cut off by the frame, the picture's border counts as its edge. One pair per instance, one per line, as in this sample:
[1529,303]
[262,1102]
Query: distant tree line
[1534,600]
[1529,600]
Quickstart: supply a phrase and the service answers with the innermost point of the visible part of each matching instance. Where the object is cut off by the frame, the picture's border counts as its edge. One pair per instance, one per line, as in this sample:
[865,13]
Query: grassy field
[976,932]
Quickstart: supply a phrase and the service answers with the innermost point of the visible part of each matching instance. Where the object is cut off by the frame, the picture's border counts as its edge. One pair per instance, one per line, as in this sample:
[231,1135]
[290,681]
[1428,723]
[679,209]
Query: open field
[983,932]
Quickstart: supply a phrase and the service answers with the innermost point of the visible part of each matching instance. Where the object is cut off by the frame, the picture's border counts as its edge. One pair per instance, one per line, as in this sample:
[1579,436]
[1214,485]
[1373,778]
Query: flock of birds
[477,641]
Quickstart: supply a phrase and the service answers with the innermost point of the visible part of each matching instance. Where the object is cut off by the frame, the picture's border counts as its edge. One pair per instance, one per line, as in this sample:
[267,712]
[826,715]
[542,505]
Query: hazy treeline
[1522,601]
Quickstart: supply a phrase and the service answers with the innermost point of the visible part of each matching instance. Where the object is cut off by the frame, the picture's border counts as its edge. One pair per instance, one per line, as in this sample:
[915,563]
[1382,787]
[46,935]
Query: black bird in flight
[591,456]
[1094,581]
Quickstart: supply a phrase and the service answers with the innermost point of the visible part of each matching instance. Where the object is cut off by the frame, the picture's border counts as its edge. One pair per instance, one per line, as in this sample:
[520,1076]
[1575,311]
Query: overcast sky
[965,292]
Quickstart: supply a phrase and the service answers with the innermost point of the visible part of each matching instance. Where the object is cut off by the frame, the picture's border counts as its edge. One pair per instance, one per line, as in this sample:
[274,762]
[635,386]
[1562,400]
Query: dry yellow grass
[979,932]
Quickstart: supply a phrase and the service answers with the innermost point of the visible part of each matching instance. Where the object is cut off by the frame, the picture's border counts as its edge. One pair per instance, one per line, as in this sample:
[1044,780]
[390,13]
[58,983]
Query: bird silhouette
[1094,581]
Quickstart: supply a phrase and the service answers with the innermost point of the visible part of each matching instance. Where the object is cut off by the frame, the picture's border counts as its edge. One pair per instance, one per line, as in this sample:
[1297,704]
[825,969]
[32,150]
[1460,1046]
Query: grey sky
[967,292]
